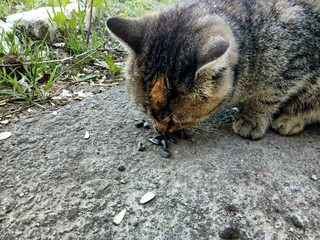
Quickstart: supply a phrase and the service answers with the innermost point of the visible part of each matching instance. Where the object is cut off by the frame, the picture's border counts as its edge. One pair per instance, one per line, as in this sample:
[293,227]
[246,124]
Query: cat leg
[287,124]
[254,120]
[302,109]
[252,126]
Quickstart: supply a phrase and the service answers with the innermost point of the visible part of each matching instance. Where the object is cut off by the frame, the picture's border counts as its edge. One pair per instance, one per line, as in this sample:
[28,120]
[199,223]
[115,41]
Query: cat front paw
[252,128]
[288,124]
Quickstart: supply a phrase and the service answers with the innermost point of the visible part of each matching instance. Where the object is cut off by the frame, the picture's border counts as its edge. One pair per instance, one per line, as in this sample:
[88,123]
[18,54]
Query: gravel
[297,221]
[314,178]
[55,184]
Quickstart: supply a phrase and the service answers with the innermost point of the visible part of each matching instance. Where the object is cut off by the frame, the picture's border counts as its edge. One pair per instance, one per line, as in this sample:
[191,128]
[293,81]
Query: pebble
[5,135]
[121,168]
[230,233]
[4,122]
[29,120]
[297,221]
[122,181]
[260,235]
[314,178]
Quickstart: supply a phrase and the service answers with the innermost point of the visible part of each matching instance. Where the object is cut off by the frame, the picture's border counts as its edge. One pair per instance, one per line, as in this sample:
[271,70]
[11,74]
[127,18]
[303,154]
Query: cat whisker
[176,120]
[167,118]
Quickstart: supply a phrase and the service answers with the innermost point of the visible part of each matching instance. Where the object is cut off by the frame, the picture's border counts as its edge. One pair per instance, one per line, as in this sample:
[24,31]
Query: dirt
[55,184]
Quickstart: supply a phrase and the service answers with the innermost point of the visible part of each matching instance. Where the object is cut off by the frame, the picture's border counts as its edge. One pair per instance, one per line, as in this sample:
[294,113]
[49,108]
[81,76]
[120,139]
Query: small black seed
[139,124]
[155,141]
[141,147]
[146,125]
[139,120]
[121,168]
[230,233]
[165,153]
[159,137]
[164,143]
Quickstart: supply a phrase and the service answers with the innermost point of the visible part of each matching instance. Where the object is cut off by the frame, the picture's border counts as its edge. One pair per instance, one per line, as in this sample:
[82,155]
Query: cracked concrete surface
[54,184]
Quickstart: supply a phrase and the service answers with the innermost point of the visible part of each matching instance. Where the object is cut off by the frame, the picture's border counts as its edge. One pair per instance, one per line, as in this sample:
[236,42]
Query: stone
[36,23]
[314,178]
[121,168]
[230,233]
[297,221]
[260,235]
[6,29]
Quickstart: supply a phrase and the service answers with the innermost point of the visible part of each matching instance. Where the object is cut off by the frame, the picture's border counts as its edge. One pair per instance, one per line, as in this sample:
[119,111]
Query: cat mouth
[172,126]
[164,127]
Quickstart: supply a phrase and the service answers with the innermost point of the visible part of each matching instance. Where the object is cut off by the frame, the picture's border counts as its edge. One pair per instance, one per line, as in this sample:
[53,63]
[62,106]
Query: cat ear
[129,31]
[158,92]
[212,55]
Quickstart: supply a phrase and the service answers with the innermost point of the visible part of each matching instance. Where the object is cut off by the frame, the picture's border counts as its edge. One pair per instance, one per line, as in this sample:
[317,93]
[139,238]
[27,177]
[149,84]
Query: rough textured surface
[55,184]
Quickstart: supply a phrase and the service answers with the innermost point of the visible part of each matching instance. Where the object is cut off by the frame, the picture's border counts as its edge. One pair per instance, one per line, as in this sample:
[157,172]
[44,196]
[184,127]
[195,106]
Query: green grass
[33,80]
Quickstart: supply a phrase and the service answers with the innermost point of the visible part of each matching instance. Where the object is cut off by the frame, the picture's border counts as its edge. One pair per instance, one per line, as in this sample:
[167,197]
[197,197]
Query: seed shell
[146,125]
[155,141]
[147,197]
[165,153]
[164,143]
[138,123]
[86,135]
[141,147]
[5,135]
[118,218]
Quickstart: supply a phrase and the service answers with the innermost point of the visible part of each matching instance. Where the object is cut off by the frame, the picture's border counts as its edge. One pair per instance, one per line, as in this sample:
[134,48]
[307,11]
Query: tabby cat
[189,60]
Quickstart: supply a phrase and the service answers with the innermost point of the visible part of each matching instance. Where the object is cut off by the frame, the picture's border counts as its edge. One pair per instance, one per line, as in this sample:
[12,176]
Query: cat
[191,59]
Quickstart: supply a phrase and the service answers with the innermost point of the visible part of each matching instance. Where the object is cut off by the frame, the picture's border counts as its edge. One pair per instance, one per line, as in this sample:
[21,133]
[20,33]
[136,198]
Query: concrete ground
[55,184]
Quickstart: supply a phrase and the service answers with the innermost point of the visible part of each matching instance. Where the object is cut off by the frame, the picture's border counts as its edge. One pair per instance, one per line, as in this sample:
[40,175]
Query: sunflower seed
[141,147]
[86,135]
[155,141]
[165,153]
[147,197]
[118,218]
[138,123]
[164,143]
[146,125]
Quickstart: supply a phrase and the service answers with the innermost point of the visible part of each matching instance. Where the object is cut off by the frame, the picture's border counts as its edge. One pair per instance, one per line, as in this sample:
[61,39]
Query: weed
[28,82]
[29,75]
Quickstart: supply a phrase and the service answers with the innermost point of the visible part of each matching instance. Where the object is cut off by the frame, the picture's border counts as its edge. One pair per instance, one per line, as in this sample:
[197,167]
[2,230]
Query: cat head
[179,68]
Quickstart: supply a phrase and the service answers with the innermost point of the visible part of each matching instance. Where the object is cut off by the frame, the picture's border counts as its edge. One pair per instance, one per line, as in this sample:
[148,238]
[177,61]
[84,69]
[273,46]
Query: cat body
[189,60]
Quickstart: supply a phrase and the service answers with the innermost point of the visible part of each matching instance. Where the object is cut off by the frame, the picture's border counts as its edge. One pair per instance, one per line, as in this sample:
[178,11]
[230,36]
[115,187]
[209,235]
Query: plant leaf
[113,67]
[97,3]
[64,2]
[79,14]
[72,22]
[59,17]
[51,80]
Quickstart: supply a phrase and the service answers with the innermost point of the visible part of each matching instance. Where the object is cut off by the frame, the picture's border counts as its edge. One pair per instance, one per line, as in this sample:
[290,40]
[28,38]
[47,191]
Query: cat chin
[179,125]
